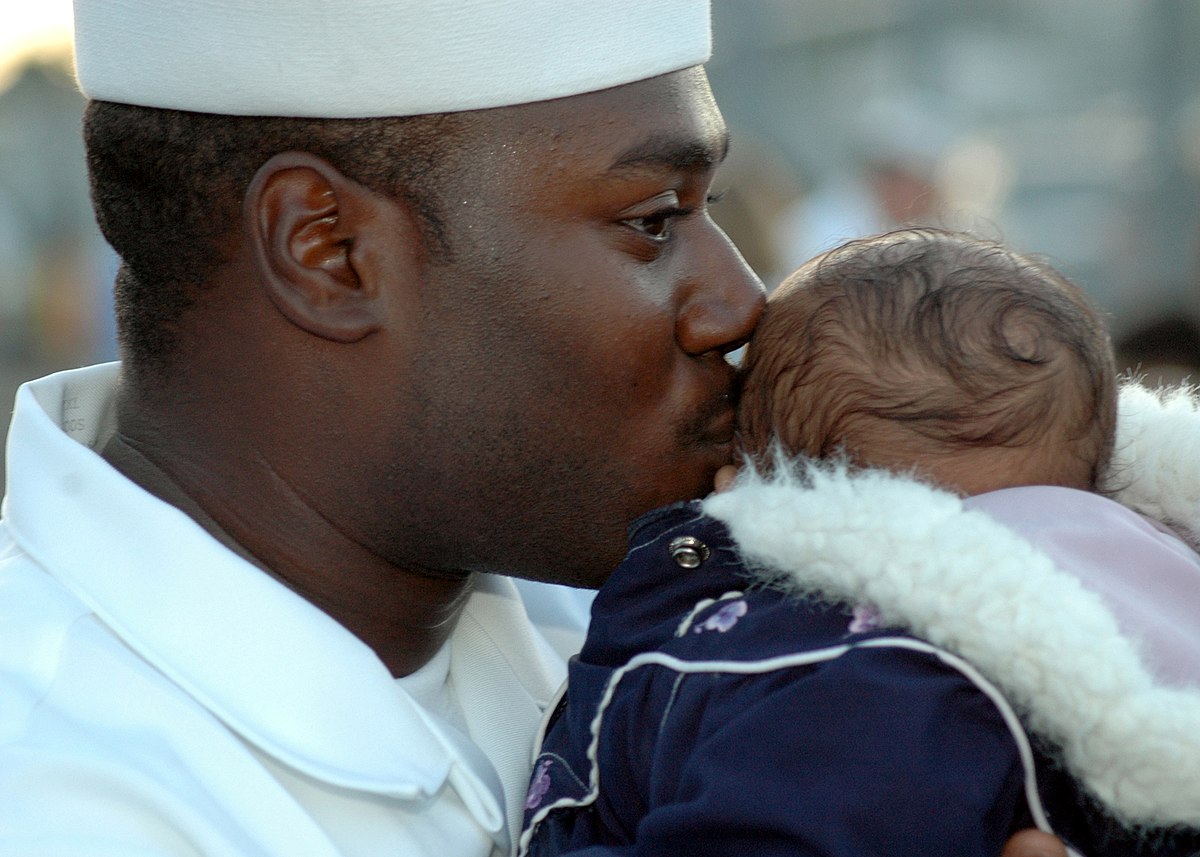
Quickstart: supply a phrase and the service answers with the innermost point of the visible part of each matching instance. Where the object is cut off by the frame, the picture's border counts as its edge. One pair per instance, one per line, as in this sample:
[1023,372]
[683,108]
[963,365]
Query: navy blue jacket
[707,715]
[710,714]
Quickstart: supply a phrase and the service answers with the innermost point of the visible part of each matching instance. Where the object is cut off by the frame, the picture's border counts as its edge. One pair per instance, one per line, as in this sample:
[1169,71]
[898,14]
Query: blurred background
[1069,129]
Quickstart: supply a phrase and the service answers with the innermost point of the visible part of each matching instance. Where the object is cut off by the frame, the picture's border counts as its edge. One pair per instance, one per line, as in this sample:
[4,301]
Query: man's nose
[722,301]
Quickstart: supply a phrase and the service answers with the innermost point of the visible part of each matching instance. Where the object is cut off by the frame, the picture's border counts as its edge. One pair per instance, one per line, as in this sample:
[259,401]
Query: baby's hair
[921,344]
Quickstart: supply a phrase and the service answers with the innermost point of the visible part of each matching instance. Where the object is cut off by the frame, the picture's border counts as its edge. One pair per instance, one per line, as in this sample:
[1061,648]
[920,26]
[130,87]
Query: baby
[926,351]
[913,624]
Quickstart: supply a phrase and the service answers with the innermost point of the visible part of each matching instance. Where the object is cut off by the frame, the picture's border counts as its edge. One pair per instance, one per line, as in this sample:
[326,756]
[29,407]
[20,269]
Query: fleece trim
[1155,469]
[964,582]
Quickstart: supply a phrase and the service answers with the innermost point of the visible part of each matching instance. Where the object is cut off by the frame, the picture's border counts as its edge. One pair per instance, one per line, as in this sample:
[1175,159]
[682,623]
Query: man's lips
[712,429]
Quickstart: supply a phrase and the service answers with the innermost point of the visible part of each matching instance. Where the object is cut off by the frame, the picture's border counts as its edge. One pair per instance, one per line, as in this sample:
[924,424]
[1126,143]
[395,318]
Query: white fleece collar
[1155,468]
[961,580]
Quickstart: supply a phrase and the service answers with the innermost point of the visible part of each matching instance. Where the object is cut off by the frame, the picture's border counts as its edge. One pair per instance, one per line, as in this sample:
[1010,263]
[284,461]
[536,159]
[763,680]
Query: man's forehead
[670,123]
[667,125]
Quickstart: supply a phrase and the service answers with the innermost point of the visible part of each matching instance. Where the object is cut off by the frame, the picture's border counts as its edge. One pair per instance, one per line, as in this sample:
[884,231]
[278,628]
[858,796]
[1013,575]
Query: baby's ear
[724,478]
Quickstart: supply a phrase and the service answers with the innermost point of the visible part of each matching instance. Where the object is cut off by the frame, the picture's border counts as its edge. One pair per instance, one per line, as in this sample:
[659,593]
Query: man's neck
[404,616]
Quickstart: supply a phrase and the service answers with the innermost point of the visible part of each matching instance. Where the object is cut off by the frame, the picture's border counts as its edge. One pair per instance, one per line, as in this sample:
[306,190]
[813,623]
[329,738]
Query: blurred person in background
[897,146]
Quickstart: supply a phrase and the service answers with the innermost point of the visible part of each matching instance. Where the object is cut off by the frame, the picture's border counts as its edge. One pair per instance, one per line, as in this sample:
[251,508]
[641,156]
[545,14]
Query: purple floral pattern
[725,618]
[866,618]
[539,786]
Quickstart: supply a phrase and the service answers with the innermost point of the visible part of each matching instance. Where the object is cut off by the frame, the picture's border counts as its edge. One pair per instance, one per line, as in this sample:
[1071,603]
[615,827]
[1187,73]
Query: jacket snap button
[688,551]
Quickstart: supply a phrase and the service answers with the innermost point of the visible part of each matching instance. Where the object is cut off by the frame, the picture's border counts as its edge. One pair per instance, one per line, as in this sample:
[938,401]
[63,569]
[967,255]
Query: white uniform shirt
[161,696]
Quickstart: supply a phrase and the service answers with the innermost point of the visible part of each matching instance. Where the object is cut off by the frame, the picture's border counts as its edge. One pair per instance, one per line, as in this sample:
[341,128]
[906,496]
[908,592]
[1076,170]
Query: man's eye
[656,226]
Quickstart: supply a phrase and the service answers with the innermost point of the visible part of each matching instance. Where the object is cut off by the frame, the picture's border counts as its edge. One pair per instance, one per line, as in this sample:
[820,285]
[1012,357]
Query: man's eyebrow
[677,154]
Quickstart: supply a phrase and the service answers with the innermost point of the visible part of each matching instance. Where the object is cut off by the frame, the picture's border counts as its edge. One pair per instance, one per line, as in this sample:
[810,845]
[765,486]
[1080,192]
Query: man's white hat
[359,58]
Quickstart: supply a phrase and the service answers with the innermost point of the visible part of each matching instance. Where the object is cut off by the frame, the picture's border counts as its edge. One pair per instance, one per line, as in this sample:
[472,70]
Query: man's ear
[310,229]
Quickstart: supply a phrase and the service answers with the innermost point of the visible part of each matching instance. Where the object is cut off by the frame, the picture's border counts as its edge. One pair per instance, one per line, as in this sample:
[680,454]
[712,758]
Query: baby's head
[935,352]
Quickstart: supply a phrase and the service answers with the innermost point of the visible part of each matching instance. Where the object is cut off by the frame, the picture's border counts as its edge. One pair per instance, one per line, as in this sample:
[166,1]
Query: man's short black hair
[167,187]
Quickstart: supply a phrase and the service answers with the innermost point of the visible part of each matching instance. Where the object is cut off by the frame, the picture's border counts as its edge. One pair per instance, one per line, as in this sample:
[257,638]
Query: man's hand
[1034,843]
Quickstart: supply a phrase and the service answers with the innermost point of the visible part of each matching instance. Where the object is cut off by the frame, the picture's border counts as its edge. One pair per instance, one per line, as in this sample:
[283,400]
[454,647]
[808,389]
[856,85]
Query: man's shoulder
[36,615]
[101,753]
[56,653]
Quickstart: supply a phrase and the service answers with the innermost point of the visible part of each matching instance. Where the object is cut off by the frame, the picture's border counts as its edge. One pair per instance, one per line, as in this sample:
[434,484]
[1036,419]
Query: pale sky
[31,26]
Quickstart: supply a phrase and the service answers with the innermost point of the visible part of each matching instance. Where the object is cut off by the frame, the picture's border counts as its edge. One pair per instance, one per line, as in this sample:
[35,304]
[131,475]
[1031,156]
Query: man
[410,292]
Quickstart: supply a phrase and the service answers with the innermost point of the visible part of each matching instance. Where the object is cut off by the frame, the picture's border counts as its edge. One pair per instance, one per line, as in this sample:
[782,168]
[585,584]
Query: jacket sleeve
[885,752]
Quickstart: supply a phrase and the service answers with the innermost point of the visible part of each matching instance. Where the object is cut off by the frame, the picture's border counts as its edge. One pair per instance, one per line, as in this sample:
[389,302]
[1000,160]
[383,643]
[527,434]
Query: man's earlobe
[303,219]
